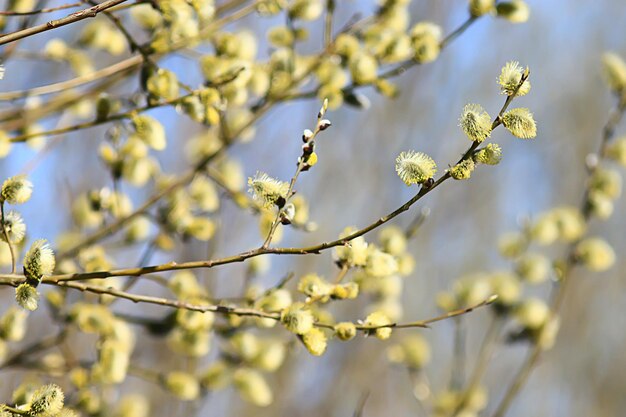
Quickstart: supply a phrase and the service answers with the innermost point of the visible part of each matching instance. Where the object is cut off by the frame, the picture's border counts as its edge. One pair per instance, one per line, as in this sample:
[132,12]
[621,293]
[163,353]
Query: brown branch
[53,24]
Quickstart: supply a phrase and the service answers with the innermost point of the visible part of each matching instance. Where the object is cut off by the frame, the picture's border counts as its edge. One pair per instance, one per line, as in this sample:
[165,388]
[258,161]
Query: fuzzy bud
[520,123]
[27,296]
[425,39]
[596,254]
[415,167]
[475,122]
[324,124]
[13,325]
[322,111]
[47,401]
[363,68]
[151,131]
[267,190]
[39,260]
[599,205]
[532,313]
[354,252]
[183,385]
[617,149]
[296,319]
[515,11]
[347,291]
[393,240]
[510,77]
[217,376]
[413,351]
[271,356]
[607,182]
[16,190]
[307,135]
[132,405]
[512,244]
[14,227]
[345,330]
[489,155]
[507,287]
[547,335]
[163,84]
[377,319]
[314,286]
[306,9]
[315,341]
[478,8]
[533,268]
[252,387]
[463,170]
[380,264]
[614,69]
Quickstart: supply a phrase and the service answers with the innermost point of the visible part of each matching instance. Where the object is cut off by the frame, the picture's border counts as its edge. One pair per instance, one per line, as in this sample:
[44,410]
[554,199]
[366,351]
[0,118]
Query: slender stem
[342,273]
[276,221]
[458,358]
[482,362]
[14,410]
[328,23]
[417,222]
[116,68]
[447,315]
[97,122]
[458,32]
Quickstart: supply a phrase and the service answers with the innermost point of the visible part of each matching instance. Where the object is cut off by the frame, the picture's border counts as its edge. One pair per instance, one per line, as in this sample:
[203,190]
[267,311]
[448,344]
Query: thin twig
[457,377]
[481,363]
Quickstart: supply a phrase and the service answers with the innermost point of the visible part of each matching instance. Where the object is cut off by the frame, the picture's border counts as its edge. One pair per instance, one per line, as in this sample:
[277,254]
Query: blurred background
[354,183]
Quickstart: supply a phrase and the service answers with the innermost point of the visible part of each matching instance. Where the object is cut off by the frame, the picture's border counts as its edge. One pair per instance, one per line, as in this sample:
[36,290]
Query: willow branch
[534,353]
[423,323]
[118,67]
[53,24]
[98,122]
[245,312]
